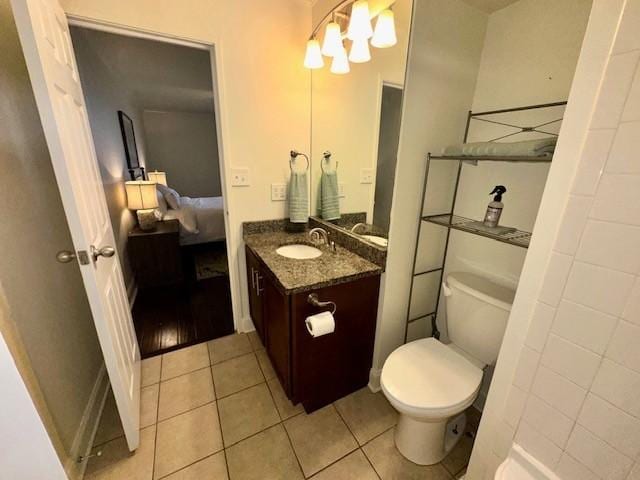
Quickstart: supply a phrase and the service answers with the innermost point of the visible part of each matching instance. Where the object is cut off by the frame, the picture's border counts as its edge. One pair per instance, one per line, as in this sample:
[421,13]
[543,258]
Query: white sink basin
[299,252]
[381,241]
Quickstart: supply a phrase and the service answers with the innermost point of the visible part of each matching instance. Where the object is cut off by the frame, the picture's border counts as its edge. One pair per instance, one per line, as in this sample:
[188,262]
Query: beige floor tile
[184,361]
[255,341]
[149,405]
[265,364]
[354,466]
[211,468]
[110,426]
[185,393]
[319,439]
[266,456]
[235,374]
[187,438]
[286,409]
[461,474]
[116,462]
[458,458]
[231,346]
[367,414]
[150,370]
[391,465]
[246,412]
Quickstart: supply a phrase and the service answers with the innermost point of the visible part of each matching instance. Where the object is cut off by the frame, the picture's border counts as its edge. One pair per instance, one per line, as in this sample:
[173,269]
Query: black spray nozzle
[498,190]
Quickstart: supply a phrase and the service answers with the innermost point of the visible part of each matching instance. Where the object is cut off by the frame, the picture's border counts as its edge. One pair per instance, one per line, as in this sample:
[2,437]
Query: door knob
[102,252]
[65,256]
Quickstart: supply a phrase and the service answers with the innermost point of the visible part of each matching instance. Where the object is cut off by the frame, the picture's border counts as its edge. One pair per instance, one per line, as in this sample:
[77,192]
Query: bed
[201,219]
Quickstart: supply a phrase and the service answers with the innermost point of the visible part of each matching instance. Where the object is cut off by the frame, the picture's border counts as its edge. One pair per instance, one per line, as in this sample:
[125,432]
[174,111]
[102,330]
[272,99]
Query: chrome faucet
[358,225]
[321,235]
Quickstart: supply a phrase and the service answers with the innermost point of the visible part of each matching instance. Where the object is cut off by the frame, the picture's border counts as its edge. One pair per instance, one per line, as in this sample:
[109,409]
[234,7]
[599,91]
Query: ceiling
[489,6]
[157,75]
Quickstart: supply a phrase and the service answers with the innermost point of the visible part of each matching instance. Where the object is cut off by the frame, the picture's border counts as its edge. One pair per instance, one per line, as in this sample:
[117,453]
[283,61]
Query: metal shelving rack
[451,221]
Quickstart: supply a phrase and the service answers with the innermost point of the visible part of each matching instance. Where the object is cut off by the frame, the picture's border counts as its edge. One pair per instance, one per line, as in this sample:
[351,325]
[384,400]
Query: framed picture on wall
[130,148]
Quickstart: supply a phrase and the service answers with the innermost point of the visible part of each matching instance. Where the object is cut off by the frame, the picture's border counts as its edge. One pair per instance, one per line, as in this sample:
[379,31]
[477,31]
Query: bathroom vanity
[313,371]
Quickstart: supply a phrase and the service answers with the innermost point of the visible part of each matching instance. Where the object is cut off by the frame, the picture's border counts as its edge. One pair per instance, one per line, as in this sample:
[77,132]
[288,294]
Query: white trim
[132,293]
[222,130]
[90,419]
[374,379]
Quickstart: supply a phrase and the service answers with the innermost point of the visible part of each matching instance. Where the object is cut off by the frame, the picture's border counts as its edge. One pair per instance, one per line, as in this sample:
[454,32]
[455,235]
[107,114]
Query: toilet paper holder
[315,301]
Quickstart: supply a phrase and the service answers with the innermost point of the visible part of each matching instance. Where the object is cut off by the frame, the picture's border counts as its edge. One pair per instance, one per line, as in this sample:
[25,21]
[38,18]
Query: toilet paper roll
[320,324]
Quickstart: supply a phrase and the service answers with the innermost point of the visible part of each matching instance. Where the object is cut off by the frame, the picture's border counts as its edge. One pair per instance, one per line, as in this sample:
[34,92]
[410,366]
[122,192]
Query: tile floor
[216,410]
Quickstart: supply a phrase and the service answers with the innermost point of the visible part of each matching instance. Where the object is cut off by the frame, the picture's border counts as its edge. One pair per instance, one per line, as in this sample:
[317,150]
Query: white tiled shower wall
[575,398]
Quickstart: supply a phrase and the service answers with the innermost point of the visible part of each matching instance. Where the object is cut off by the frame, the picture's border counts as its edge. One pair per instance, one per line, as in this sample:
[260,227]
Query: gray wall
[46,299]
[184,145]
[104,97]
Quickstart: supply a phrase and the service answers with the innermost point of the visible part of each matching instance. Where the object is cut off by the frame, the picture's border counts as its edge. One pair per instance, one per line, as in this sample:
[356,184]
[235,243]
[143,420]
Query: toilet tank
[477,313]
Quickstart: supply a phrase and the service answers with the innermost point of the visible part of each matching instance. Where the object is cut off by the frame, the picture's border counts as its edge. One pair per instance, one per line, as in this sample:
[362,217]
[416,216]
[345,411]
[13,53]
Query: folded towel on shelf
[298,198]
[328,198]
[527,148]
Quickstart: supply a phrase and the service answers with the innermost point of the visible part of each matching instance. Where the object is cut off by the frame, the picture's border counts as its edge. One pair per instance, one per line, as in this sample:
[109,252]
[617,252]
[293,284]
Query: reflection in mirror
[355,133]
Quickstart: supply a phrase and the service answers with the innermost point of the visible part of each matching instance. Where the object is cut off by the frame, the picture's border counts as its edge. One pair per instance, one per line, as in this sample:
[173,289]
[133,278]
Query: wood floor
[195,311]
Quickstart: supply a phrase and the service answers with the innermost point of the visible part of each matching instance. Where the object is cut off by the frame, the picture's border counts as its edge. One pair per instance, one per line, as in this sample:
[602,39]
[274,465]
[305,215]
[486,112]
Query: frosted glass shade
[340,63]
[141,195]
[332,40]
[385,34]
[360,21]
[360,51]
[313,57]
[158,177]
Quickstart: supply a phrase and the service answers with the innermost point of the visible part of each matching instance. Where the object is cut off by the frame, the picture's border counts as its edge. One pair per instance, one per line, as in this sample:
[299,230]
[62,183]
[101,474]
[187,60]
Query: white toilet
[430,383]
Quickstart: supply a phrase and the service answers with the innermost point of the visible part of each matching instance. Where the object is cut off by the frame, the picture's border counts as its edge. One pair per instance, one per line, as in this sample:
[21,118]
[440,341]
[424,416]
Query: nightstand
[155,255]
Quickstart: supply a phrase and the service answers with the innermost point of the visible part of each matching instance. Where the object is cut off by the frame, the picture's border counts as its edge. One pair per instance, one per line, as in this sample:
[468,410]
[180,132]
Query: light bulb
[360,51]
[385,33]
[340,64]
[360,21]
[332,40]
[313,57]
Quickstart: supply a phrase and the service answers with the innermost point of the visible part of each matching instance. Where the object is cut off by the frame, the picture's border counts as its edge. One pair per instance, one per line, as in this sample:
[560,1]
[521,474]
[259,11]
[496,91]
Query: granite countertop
[296,276]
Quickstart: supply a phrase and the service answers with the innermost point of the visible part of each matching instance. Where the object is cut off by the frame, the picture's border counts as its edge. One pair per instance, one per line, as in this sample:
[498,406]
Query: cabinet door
[331,366]
[278,330]
[256,293]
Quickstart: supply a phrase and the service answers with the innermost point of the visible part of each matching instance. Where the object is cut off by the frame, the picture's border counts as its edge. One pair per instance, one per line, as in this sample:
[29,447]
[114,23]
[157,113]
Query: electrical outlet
[366,175]
[278,192]
[240,177]
[341,188]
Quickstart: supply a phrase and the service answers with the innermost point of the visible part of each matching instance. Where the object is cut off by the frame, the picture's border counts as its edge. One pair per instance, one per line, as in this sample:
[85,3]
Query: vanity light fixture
[384,35]
[340,64]
[332,39]
[313,57]
[360,21]
[360,51]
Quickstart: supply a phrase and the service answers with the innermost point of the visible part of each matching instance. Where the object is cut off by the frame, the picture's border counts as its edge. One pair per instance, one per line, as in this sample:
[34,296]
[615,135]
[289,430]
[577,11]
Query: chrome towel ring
[326,158]
[295,154]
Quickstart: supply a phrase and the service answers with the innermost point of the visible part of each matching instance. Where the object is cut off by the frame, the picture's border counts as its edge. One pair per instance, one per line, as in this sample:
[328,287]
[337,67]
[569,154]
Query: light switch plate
[366,175]
[240,177]
[341,189]
[278,192]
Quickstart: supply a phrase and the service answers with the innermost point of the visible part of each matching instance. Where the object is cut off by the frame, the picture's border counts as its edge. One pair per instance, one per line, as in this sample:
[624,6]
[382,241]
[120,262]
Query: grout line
[224,449]
[189,465]
[157,424]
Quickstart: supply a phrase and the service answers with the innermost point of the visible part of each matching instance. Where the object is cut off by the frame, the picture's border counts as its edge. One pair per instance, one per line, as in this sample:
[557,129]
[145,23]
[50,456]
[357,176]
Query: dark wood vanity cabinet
[315,371]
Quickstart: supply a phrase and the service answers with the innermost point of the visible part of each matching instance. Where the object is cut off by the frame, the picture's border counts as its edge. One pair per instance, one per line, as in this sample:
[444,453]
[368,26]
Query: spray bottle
[494,209]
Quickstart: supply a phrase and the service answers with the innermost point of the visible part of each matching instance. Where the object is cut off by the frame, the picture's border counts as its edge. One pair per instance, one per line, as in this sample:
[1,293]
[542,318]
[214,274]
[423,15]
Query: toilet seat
[428,379]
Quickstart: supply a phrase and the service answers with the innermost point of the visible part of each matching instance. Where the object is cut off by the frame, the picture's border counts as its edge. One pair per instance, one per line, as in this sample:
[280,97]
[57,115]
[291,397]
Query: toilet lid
[427,374]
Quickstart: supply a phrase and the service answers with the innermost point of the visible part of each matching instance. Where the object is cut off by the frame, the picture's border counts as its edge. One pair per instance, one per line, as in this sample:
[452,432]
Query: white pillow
[170,195]
[161,209]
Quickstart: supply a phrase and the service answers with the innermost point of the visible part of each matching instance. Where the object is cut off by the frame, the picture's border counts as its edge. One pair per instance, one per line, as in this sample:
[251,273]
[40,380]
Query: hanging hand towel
[298,198]
[328,201]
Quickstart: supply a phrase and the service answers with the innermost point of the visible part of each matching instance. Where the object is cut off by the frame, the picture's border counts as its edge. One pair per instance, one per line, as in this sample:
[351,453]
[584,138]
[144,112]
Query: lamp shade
[158,177]
[360,51]
[385,34]
[340,63]
[360,21]
[313,57]
[141,195]
[332,40]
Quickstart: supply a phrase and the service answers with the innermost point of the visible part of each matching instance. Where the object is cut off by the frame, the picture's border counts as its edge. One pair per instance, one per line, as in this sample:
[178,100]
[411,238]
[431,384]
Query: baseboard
[83,440]
[374,379]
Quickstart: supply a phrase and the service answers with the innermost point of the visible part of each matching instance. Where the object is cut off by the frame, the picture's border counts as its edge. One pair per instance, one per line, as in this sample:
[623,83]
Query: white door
[44,34]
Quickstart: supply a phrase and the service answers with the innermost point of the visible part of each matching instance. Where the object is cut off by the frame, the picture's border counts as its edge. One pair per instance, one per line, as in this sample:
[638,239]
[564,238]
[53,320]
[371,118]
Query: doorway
[151,108]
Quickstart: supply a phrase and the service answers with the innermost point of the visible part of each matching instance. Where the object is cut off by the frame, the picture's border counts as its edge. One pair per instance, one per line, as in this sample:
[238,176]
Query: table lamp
[158,177]
[141,196]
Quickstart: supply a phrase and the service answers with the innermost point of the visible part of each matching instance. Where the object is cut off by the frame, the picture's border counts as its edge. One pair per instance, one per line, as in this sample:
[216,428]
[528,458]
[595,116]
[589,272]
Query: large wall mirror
[355,130]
